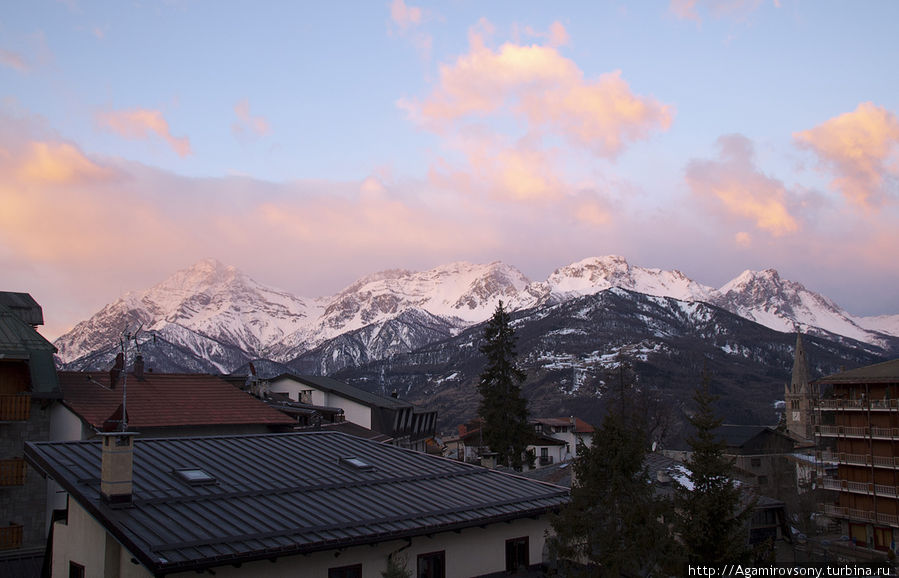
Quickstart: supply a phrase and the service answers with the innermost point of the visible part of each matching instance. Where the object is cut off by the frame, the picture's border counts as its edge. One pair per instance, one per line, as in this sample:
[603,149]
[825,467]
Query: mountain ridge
[215,309]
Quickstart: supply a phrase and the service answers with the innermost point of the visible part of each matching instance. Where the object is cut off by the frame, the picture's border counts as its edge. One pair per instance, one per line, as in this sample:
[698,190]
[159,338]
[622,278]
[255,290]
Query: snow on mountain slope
[783,305]
[599,273]
[215,301]
[888,324]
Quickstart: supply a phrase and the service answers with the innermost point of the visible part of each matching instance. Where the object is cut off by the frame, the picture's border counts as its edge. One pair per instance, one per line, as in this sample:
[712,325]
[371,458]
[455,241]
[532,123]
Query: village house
[309,503]
[400,421]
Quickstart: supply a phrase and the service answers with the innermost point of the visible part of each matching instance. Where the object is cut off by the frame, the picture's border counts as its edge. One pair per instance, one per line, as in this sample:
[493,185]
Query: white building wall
[353,411]
[471,552]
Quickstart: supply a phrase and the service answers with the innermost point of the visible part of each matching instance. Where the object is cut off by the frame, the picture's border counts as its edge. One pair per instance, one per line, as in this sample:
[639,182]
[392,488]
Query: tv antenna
[127,341]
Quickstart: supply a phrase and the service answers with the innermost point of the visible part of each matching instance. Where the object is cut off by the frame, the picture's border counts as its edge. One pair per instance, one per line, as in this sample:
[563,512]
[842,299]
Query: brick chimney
[117,369]
[139,367]
[117,468]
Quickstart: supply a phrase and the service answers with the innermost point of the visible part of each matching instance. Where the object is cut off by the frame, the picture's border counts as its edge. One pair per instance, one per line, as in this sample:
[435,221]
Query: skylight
[195,476]
[358,464]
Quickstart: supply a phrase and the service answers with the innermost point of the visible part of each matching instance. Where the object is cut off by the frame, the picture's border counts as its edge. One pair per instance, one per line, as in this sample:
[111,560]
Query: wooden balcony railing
[11,536]
[860,515]
[858,404]
[12,472]
[15,407]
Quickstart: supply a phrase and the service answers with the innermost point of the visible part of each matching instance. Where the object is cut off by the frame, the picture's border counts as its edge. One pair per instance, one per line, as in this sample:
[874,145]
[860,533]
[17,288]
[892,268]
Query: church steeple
[799,384]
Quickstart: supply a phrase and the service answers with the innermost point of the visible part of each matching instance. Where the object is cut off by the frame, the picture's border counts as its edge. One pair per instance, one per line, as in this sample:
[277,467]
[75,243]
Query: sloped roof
[346,390]
[886,372]
[23,305]
[165,400]
[19,340]
[737,435]
[282,494]
[580,426]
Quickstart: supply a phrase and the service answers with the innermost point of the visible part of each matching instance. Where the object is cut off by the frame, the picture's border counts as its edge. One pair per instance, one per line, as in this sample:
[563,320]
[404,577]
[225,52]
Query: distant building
[404,424]
[858,457]
[301,504]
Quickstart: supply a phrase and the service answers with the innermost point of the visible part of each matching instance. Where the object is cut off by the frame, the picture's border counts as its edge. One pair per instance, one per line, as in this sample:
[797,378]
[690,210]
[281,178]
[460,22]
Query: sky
[312,143]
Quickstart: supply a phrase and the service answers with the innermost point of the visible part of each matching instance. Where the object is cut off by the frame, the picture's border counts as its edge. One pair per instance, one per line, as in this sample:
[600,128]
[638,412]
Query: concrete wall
[471,552]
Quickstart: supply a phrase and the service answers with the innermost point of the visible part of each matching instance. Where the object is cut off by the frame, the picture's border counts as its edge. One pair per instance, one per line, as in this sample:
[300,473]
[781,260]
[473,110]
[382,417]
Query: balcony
[858,459]
[11,536]
[841,431]
[12,472]
[15,407]
[859,515]
[857,432]
[863,488]
[858,404]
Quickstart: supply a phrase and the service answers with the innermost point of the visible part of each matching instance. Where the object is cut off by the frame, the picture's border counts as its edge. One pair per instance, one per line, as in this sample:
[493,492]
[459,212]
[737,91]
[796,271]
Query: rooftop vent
[357,464]
[195,476]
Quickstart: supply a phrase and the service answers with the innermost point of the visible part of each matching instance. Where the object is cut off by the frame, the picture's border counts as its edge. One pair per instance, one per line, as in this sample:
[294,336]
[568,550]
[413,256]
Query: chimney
[139,367]
[394,394]
[117,468]
[462,429]
[116,370]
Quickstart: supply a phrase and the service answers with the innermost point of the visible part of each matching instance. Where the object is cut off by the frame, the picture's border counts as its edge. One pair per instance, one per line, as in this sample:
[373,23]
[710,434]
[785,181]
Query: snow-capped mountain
[763,297]
[221,316]
[599,273]
[210,309]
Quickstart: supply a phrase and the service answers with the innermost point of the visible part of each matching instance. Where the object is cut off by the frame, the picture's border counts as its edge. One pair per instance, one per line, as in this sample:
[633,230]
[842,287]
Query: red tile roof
[580,426]
[165,400]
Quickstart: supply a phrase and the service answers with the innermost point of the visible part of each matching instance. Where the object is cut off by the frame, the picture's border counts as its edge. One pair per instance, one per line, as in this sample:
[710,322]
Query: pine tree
[615,523]
[713,515]
[502,408]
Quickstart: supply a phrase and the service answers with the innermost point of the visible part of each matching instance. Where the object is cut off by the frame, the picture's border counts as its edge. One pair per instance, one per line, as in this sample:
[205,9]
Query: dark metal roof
[346,390]
[886,372]
[736,436]
[281,494]
[23,305]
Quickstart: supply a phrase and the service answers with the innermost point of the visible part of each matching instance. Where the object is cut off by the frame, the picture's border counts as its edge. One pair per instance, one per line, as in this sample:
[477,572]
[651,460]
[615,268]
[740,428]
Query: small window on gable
[76,570]
[195,476]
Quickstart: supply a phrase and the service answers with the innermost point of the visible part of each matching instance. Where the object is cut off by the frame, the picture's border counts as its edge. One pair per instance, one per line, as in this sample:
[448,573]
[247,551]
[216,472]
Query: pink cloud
[861,149]
[735,187]
[405,16]
[248,125]
[735,9]
[139,123]
[545,90]
[60,164]
[13,60]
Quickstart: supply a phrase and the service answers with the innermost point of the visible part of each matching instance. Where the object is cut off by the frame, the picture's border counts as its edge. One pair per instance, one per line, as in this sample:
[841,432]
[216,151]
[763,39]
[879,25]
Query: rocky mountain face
[417,332]
[571,352]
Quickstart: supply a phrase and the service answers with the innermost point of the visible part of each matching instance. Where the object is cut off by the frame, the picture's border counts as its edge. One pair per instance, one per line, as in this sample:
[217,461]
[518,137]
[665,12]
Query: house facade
[312,504]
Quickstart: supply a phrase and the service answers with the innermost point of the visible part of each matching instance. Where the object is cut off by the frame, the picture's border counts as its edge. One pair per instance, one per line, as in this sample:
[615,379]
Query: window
[305,396]
[76,570]
[755,462]
[763,480]
[432,565]
[516,554]
[354,571]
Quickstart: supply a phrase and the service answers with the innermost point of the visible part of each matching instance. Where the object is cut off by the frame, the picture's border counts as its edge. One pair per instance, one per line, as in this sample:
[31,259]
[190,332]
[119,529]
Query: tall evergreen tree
[503,409]
[615,523]
[713,514]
